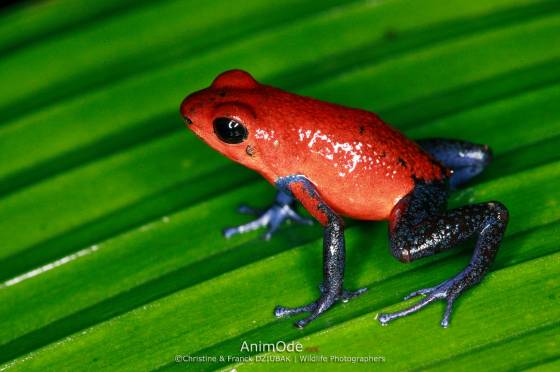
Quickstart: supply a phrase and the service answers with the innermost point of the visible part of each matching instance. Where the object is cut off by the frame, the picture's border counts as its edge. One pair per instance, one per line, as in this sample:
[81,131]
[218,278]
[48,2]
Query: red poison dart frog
[338,161]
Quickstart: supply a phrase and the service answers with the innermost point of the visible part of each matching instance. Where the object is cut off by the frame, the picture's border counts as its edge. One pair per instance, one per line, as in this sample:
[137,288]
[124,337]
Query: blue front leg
[333,250]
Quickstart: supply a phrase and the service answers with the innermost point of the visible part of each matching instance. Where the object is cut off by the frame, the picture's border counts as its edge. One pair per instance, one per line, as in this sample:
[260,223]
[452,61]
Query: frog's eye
[230,131]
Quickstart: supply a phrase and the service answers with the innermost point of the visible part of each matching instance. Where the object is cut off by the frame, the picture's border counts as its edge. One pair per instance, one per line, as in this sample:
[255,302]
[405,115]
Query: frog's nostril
[187,120]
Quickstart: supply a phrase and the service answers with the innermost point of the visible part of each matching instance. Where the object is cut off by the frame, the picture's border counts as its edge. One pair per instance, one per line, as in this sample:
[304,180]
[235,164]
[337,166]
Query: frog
[342,162]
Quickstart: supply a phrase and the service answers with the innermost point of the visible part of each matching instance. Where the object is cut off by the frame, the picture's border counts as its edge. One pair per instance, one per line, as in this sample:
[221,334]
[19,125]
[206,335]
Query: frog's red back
[361,166]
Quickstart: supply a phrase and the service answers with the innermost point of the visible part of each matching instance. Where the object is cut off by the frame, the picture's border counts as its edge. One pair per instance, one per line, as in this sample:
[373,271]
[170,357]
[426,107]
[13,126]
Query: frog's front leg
[283,209]
[333,250]
[421,226]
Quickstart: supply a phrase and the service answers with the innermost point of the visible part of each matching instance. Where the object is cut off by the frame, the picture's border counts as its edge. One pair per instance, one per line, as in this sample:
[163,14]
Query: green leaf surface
[37,21]
[111,254]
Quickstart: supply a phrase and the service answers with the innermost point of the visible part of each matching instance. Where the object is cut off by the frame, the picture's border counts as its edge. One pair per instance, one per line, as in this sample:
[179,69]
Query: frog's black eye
[230,131]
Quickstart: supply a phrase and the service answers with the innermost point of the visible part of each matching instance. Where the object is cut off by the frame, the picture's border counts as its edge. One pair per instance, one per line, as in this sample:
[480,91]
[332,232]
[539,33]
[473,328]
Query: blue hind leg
[465,159]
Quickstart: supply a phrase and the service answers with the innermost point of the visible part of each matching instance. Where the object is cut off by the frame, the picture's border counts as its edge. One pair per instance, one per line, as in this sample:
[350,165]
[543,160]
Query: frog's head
[224,116]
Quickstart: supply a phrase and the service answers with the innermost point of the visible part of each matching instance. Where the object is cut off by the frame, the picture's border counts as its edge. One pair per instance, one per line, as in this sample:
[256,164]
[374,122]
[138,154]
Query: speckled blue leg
[464,159]
[283,209]
[333,251]
[420,226]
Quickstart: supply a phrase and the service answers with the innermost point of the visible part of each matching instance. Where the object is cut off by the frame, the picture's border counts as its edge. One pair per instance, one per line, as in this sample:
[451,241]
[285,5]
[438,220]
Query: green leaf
[111,253]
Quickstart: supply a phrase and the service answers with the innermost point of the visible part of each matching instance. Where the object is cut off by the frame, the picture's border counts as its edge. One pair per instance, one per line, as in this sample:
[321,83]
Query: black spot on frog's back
[402,162]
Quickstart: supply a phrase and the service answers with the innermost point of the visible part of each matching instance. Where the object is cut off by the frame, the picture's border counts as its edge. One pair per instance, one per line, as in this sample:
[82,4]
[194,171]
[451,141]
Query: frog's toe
[386,318]
[241,229]
[275,217]
[445,321]
[448,290]
[272,228]
[245,209]
[283,312]
[348,295]
[419,292]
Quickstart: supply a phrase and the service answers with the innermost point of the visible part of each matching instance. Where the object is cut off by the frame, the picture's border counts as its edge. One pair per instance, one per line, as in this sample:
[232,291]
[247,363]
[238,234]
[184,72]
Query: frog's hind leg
[465,159]
[421,226]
